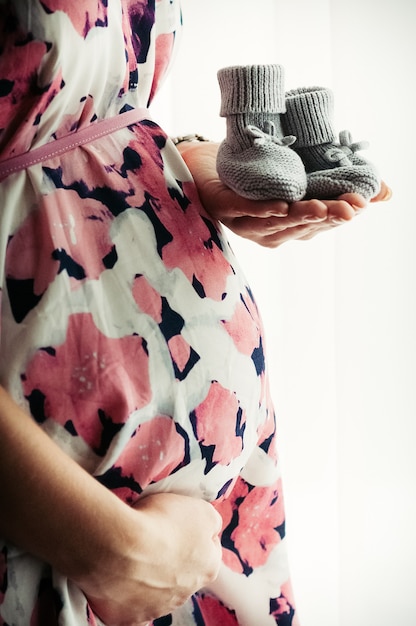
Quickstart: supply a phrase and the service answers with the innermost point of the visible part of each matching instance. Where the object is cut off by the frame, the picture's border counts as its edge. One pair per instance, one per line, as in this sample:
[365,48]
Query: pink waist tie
[71,141]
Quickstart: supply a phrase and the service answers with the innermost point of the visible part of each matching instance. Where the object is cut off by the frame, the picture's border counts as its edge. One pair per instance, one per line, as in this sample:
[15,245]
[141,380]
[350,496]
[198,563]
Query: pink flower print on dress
[253,524]
[204,263]
[282,608]
[240,327]
[267,432]
[84,15]
[90,384]
[182,354]
[19,65]
[156,450]
[164,48]
[245,329]
[219,424]
[76,120]
[171,323]
[61,235]
[261,516]
[147,298]
[105,173]
[138,19]
[177,219]
[212,611]
[24,98]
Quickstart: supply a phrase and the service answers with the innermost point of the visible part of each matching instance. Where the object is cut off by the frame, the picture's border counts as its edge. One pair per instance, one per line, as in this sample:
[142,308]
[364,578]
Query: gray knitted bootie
[255,160]
[332,168]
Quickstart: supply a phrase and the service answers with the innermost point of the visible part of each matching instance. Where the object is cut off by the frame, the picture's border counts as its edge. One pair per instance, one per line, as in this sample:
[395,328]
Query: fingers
[267,234]
[265,223]
[263,208]
[271,223]
[384,194]
[174,550]
[355,200]
[223,203]
[276,239]
[304,220]
[307,212]
[216,522]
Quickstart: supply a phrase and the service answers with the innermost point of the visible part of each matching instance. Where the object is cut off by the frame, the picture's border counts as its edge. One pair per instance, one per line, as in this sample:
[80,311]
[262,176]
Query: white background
[339,311]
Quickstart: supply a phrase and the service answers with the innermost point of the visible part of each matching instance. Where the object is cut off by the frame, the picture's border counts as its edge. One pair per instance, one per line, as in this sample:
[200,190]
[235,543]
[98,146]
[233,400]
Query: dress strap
[72,140]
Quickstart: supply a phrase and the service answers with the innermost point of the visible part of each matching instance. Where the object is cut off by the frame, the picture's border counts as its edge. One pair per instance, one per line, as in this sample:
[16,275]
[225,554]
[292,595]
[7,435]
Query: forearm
[133,564]
[50,506]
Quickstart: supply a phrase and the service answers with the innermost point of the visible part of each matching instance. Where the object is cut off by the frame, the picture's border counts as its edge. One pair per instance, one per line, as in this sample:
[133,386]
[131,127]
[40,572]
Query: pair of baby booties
[283,145]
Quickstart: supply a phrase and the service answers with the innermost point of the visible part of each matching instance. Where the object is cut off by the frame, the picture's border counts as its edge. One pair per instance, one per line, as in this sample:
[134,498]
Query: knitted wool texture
[255,159]
[332,168]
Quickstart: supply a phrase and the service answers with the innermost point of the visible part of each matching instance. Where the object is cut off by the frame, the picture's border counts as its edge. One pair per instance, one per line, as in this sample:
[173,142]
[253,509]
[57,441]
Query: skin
[133,564]
[137,563]
[268,223]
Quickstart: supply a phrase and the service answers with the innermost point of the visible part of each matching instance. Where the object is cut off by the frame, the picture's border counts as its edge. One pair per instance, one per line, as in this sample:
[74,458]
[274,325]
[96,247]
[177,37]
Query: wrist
[111,549]
[51,507]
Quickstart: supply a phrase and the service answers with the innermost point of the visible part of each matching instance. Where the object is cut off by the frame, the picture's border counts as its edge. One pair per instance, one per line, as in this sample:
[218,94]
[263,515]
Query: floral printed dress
[127,328]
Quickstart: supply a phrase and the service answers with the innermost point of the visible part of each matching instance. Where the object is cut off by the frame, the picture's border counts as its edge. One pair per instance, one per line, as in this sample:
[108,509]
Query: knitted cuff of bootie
[254,159]
[251,88]
[309,116]
[251,95]
[332,168]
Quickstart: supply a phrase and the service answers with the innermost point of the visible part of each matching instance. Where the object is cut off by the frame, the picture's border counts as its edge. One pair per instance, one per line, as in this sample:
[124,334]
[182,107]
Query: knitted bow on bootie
[340,154]
[255,159]
[332,169]
[260,137]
